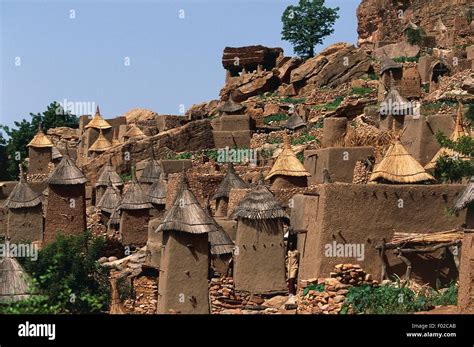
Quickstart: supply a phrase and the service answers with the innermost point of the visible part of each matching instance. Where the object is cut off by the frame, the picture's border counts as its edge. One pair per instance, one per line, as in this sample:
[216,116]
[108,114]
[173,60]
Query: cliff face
[384,20]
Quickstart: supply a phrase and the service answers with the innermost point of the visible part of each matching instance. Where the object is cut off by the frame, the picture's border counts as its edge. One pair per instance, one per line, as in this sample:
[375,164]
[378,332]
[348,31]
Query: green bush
[415,36]
[330,106]
[402,60]
[278,117]
[303,138]
[361,91]
[293,100]
[180,156]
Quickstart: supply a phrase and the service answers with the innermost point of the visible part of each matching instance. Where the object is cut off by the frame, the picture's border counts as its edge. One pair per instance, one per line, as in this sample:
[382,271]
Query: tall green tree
[307,24]
[23,132]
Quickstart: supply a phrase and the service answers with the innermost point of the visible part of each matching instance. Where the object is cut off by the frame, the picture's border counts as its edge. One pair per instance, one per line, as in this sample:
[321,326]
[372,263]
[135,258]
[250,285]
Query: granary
[134,133]
[134,215]
[157,196]
[230,107]
[399,167]
[109,201]
[39,153]
[183,285]
[222,248]
[411,83]
[464,201]
[151,173]
[394,108]
[14,281]
[108,175]
[295,122]
[66,205]
[259,256]
[100,145]
[25,213]
[92,132]
[231,180]
[56,155]
[460,130]
[389,69]
[288,171]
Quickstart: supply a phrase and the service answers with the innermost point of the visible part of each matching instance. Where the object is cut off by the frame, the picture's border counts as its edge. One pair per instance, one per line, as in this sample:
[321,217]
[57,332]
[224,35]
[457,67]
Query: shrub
[415,36]
[330,106]
[293,100]
[303,138]
[361,91]
[277,117]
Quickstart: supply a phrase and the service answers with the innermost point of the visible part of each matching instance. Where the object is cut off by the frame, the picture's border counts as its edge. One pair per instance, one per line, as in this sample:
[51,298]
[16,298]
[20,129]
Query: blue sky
[173,61]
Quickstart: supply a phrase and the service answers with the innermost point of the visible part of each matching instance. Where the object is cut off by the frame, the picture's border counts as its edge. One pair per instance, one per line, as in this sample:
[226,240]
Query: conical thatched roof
[287,164]
[55,153]
[109,200]
[115,216]
[398,166]
[388,64]
[411,25]
[134,131]
[186,215]
[14,284]
[231,180]
[40,140]
[98,122]
[220,242]
[259,203]
[66,173]
[109,175]
[393,96]
[439,26]
[134,198]
[101,144]
[230,106]
[152,171]
[157,191]
[295,122]
[460,130]
[466,197]
[23,196]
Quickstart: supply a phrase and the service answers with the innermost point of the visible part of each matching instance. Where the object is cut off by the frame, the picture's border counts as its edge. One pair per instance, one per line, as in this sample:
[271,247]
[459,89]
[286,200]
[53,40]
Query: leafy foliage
[406,59]
[278,117]
[415,36]
[330,106]
[316,287]
[306,25]
[362,91]
[303,138]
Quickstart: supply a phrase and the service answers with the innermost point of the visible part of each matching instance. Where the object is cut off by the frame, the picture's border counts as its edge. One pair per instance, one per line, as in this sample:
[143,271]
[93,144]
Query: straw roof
[157,191]
[101,144]
[230,106]
[14,284]
[55,153]
[98,122]
[231,180]
[220,242]
[259,203]
[40,140]
[186,215]
[398,166]
[466,197]
[109,175]
[411,25]
[388,64]
[115,216]
[295,122]
[66,173]
[152,171]
[287,164]
[393,96]
[134,131]
[23,196]
[439,26]
[134,198]
[110,199]
[460,130]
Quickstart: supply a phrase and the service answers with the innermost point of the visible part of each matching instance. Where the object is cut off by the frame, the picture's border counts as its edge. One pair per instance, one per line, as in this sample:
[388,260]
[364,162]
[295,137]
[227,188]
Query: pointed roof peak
[66,173]
[40,140]
[287,164]
[98,122]
[101,144]
[22,195]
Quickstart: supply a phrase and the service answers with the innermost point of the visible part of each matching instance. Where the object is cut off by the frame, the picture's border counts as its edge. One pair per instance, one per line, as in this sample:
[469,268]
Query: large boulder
[251,84]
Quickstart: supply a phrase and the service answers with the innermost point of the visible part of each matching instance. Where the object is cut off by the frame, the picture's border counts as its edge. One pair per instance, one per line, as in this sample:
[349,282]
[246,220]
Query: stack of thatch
[460,130]
[259,203]
[110,200]
[109,175]
[287,164]
[98,122]
[134,133]
[186,215]
[231,180]
[101,144]
[14,284]
[158,190]
[66,173]
[134,198]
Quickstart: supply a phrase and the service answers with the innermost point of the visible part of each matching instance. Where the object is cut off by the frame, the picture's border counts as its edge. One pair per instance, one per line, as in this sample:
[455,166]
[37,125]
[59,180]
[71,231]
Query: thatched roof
[398,166]
[40,140]
[460,129]
[220,242]
[411,25]
[231,180]
[259,203]
[101,144]
[109,175]
[14,284]
[186,215]
[55,153]
[134,198]
[23,196]
[110,199]
[230,106]
[393,96]
[134,131]
[66,173]
[98,122]
[295,122]
[439,26]
[115,216]
[287,164]
[388,64]
[466,197]
[152,171]
[157,191]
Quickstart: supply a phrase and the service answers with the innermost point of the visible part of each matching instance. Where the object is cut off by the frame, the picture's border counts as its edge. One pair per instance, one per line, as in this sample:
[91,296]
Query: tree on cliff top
[307,24]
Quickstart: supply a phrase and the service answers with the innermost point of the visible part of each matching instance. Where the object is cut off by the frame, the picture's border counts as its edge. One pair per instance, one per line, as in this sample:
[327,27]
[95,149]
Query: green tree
[307,24]
[22,133]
